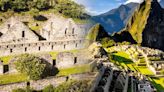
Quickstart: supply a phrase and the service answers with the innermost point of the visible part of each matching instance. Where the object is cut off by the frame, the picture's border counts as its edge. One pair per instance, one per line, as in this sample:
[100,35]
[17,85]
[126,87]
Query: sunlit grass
[12,78]
[74,70]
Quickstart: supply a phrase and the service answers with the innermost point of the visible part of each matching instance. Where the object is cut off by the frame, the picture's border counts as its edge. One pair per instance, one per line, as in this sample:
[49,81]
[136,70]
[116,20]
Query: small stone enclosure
[63,60]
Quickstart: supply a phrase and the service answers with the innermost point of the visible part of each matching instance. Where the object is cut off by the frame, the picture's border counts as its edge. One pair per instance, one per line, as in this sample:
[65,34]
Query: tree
[30,65]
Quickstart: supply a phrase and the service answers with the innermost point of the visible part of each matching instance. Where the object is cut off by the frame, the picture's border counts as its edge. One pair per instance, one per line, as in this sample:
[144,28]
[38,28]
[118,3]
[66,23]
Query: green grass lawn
[74,70]
[12,78]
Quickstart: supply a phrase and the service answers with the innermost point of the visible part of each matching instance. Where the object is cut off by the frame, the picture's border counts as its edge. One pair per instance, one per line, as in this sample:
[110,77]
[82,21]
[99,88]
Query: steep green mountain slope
[146,25]
[138,21]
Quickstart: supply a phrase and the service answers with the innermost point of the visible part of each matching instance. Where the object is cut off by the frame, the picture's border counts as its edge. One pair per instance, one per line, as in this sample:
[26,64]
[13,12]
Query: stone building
[65,60]
[60,35]
[61,28]
[69,59]
[15,31]
[157,67]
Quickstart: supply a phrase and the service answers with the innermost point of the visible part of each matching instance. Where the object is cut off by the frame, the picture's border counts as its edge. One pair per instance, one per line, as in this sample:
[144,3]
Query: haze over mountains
[116,19]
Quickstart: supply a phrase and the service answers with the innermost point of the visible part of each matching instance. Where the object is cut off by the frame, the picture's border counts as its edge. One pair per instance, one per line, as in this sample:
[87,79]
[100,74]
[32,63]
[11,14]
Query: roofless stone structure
[59,34]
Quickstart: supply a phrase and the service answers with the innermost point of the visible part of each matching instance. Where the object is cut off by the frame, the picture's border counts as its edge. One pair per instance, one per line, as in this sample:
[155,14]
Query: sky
[96,7]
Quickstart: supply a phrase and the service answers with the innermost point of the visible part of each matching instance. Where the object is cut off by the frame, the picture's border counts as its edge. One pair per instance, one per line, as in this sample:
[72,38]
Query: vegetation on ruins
[31,66]
[49,88]
[69,86]
[74,86]
[66,7]
[18,90]
[27,89]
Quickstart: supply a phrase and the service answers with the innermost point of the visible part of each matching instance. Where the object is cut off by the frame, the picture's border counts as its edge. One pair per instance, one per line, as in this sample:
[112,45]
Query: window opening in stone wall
[52,47]
[39,48]
[8,26]
[25,49]
[75,60]
[5,68]
[23,34]
[65,31]
[64,46]
[76,44]
[73,30]
[11,50]
[54,62]
[28,83]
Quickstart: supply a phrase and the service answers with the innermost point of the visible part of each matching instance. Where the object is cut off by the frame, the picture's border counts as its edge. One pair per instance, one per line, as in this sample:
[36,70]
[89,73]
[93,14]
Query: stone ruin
[63,60]
[68,59]
[56,34]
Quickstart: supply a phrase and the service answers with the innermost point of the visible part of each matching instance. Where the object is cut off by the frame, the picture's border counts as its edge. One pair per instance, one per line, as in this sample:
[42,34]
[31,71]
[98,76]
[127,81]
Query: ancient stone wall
[68,59]
[40,84]
[19,48]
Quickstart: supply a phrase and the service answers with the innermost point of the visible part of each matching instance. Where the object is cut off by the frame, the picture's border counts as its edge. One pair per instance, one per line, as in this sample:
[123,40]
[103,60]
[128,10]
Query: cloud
[136,1]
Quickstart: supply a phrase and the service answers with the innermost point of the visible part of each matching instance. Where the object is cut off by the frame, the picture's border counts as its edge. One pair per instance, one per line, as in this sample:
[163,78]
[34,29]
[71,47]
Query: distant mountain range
[116,19]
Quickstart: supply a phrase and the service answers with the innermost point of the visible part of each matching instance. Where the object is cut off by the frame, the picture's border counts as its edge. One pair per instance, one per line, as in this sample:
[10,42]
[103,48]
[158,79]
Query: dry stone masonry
[57,34]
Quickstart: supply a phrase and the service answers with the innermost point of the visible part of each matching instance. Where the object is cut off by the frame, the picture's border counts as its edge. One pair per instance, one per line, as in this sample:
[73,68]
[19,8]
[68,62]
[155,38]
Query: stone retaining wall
[40,84]
[61,45]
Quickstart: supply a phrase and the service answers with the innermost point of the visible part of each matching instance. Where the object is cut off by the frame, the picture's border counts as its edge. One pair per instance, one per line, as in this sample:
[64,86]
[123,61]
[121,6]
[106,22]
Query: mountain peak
[146,25]
[115,19]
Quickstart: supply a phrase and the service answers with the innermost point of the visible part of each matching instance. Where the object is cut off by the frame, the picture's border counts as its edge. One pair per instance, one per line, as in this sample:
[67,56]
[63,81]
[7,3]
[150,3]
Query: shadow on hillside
[121,59]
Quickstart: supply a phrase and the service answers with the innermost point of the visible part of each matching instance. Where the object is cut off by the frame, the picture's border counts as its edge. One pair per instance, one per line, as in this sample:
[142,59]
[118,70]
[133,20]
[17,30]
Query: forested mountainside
[66,7]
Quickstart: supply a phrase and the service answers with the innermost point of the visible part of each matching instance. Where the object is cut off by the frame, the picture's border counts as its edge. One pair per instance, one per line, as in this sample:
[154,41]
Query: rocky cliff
[146,26]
